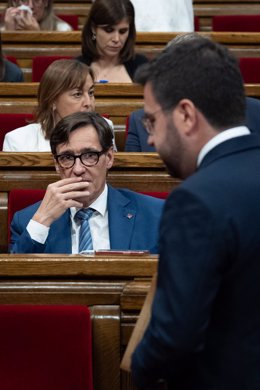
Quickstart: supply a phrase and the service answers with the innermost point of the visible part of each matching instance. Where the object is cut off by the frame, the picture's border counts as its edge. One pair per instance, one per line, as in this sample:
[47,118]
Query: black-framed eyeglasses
[89,159]
[148,121]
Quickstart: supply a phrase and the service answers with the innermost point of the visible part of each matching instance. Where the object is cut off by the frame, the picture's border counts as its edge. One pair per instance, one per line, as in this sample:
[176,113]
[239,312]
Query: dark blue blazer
[133,224]
[137,135]
[204,332]
[12,72]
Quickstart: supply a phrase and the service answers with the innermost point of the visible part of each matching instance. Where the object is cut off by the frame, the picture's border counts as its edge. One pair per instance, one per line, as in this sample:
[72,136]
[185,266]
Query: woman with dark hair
[9,72]
[32,15]
[108,40]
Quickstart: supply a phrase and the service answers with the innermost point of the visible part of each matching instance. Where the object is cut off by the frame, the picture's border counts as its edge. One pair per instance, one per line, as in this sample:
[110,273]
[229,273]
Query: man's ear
[57,167]
[185,116]
[110,157]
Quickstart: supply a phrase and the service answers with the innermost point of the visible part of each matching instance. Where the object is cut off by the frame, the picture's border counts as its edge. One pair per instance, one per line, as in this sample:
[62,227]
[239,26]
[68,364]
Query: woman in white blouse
[67,86]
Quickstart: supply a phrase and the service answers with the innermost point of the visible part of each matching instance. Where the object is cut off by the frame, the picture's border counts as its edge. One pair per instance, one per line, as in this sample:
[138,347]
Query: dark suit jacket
[12,72]
[204,332]
[136,140]
[133,224]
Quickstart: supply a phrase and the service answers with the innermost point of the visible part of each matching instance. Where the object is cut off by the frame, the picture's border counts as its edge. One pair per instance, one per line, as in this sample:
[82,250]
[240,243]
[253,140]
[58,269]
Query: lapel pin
[129,216]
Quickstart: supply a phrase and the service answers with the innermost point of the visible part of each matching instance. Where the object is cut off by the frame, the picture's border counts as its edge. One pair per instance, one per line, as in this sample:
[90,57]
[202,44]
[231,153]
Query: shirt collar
[221,137]
[99,204]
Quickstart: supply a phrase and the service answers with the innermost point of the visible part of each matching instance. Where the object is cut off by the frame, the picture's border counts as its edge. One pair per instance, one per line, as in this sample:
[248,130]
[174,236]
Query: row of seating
[24,46]
[249,67]
[113,287]
[203,10]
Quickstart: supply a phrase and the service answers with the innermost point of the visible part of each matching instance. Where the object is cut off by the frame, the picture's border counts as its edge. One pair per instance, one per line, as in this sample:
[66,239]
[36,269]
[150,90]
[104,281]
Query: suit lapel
[60,235]
[121,218]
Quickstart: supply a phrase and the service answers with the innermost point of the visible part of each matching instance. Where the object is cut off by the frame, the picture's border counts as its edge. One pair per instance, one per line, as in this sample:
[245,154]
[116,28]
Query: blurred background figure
[67,86]
[32,15]
[108,40]
[164,15]
[9,72]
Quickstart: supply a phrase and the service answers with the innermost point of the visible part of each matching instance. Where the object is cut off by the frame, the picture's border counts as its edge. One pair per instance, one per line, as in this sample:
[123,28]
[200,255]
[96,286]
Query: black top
[130,65]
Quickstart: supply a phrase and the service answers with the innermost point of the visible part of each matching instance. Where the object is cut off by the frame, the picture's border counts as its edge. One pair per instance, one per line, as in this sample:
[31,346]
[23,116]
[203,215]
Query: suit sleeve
[21,242]
[188,280]
[132,140]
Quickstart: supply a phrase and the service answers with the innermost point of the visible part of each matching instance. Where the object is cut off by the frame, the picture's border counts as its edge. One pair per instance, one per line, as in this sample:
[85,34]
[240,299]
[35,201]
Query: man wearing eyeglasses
[204,331]
[82,146]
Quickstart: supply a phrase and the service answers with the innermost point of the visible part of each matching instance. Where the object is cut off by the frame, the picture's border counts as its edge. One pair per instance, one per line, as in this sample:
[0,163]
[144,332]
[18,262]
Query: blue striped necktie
[85,239]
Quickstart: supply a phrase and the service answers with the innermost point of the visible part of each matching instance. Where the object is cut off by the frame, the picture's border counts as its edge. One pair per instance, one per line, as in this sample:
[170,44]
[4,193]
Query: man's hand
[59,197]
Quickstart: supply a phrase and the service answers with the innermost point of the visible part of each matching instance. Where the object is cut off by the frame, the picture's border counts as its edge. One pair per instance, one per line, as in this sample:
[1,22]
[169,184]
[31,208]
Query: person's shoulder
[61,25]
[140,59]
[137,114]
[15,140]
[12,72]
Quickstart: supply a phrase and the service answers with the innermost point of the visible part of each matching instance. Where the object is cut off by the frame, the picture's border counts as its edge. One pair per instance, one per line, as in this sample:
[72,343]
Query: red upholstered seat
[196,23]
[73,20]
[250,69]
[12,59]
[10,122]
[41,63]
[45,347]
[156,194]
[19,199]
[243,23]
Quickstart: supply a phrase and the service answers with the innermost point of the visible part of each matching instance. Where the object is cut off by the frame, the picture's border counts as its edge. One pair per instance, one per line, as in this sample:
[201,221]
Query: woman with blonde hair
[32,15]
[67,86]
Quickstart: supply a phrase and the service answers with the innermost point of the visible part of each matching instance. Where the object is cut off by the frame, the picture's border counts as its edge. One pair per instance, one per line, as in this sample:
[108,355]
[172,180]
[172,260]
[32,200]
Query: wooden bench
[136,171]
[115,100]
[25,45]
[114,287]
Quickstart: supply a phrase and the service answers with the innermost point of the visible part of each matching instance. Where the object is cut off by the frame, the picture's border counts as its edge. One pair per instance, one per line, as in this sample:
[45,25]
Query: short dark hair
[203,71]
[109,12]
[69,123]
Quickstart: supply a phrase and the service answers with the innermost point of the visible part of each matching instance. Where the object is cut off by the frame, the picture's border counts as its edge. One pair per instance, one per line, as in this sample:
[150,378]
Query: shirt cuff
[37,231]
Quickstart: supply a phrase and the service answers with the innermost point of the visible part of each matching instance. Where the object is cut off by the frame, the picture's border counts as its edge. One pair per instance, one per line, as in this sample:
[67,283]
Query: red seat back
[243,23]
[19,199]
[45,347]
[250,69]
[10,122]
[41,63]
[156,194]
[73,20]
[196,23]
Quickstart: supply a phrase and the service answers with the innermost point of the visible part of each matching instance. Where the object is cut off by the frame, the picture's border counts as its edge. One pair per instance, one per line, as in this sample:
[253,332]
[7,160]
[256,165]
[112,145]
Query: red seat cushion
[41,63]
[250,69]
[245,23]
[45,347]
[19,199]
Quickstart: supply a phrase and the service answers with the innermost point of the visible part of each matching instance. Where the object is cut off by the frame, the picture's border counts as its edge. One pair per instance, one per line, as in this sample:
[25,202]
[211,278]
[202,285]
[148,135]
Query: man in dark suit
[137,136]
[204,331]
[82,146]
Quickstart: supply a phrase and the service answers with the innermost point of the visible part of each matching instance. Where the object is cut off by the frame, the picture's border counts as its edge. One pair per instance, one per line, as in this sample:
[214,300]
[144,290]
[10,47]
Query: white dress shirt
[98,224]
[221,137]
